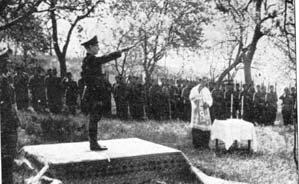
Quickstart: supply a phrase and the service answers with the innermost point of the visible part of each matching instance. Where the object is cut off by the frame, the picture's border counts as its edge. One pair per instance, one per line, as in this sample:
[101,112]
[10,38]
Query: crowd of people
[165,98]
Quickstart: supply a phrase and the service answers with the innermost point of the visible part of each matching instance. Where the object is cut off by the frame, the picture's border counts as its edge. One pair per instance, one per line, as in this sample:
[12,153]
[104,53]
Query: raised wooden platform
[126,161]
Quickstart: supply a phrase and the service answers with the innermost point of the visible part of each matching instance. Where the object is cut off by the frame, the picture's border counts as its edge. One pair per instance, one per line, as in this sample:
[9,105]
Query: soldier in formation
[71,92]
[21,81]
[120,94]
[37,91]
[8,117]
[54,91]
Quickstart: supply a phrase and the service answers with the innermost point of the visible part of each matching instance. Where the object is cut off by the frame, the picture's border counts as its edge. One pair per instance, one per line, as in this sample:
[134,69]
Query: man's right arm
[106,58]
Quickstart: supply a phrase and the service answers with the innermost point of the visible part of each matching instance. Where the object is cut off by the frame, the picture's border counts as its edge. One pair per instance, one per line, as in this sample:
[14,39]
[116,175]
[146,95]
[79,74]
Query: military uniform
[107,99]
[166,106]
[54,93]
[94,81]
[247,105]
[271,107]
[155,93]
[186,102]
[9,123]
[259,106]
[217,110]
[21,81]
[71,94]
[120,96]
[38,94]
[227,99]
[287,107]
[136,100]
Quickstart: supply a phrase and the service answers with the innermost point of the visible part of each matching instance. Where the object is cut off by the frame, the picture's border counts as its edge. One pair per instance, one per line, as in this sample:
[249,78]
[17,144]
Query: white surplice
[200,117]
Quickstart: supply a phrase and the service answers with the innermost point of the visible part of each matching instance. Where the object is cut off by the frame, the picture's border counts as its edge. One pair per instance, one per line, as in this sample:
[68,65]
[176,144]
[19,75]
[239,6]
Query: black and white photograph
[148,92]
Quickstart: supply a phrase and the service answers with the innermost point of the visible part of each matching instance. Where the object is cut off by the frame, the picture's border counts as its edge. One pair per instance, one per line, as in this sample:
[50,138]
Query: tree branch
[18,19]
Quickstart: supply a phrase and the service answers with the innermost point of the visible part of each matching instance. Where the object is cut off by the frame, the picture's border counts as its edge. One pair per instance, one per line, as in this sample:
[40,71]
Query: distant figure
[259,105]
[37,90]
[107,106]
[294,96]
[247,95]
[155,102]
[201,99]
[135,98]
[186,102]
[54,92]
[8,117]
[81,90]
[21,81]
[287,106]
[271,106]
[217,109]
[120,94]
[71,92]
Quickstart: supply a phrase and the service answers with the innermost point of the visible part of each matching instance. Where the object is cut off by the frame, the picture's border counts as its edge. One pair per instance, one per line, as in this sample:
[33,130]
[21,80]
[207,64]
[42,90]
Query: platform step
[129,160]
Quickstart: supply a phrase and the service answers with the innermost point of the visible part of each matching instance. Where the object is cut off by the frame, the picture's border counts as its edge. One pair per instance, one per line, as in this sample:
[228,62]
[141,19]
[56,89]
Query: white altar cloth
[234,129]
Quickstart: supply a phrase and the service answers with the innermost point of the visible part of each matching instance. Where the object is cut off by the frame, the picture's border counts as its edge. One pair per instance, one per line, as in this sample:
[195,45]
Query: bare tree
[72,12]
[249,17]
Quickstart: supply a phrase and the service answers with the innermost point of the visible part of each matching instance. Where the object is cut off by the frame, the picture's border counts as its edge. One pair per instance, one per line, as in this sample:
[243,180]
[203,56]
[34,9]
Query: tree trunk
[62,63]
[227,70]
[247,72]
[146,96]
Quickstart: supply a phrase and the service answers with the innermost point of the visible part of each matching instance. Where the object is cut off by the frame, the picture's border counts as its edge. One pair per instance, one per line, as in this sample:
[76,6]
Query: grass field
[273,163]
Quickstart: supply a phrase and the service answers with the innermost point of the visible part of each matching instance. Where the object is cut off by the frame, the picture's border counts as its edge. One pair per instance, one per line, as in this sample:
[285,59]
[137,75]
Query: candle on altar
[242,107]
[231,105]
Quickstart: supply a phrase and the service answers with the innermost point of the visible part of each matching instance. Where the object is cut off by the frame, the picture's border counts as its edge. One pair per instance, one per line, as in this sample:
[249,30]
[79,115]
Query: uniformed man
[217,110]
[107,111]
[37,90]
[54,92]
[287,106]
[94,80]
[187,104]
[155,93]
[71,92]
[9,119]
[259,104]
[136,98]
[165,99]
[271,106]
[21,81]
[120,94]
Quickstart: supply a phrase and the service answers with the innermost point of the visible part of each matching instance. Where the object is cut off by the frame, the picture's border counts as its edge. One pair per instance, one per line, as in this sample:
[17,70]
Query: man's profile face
[94,49]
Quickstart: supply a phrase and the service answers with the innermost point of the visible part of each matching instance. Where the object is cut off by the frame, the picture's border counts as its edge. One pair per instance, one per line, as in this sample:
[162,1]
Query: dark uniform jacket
[92,68]
[94,79]
[9,119]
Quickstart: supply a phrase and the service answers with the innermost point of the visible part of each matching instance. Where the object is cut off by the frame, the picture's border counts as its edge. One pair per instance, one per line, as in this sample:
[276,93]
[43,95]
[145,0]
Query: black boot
[94,146]
[93,143]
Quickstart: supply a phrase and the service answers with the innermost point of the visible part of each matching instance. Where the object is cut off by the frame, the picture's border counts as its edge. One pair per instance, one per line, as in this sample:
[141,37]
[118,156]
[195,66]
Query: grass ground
[273,163]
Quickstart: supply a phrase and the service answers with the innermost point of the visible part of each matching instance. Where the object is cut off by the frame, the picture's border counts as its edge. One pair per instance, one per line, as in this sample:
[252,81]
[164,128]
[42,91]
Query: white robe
[200,117]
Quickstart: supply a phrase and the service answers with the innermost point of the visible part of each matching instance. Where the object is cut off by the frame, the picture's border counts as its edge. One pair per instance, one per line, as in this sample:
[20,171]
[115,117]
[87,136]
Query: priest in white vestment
[201,100]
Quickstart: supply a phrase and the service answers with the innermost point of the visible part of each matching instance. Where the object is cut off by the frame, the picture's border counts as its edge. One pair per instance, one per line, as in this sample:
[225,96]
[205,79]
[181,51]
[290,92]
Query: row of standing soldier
[165,101]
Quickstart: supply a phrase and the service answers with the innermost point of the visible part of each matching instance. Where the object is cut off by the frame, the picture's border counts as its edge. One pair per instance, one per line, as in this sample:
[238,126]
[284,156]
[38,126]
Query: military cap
[92,41]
